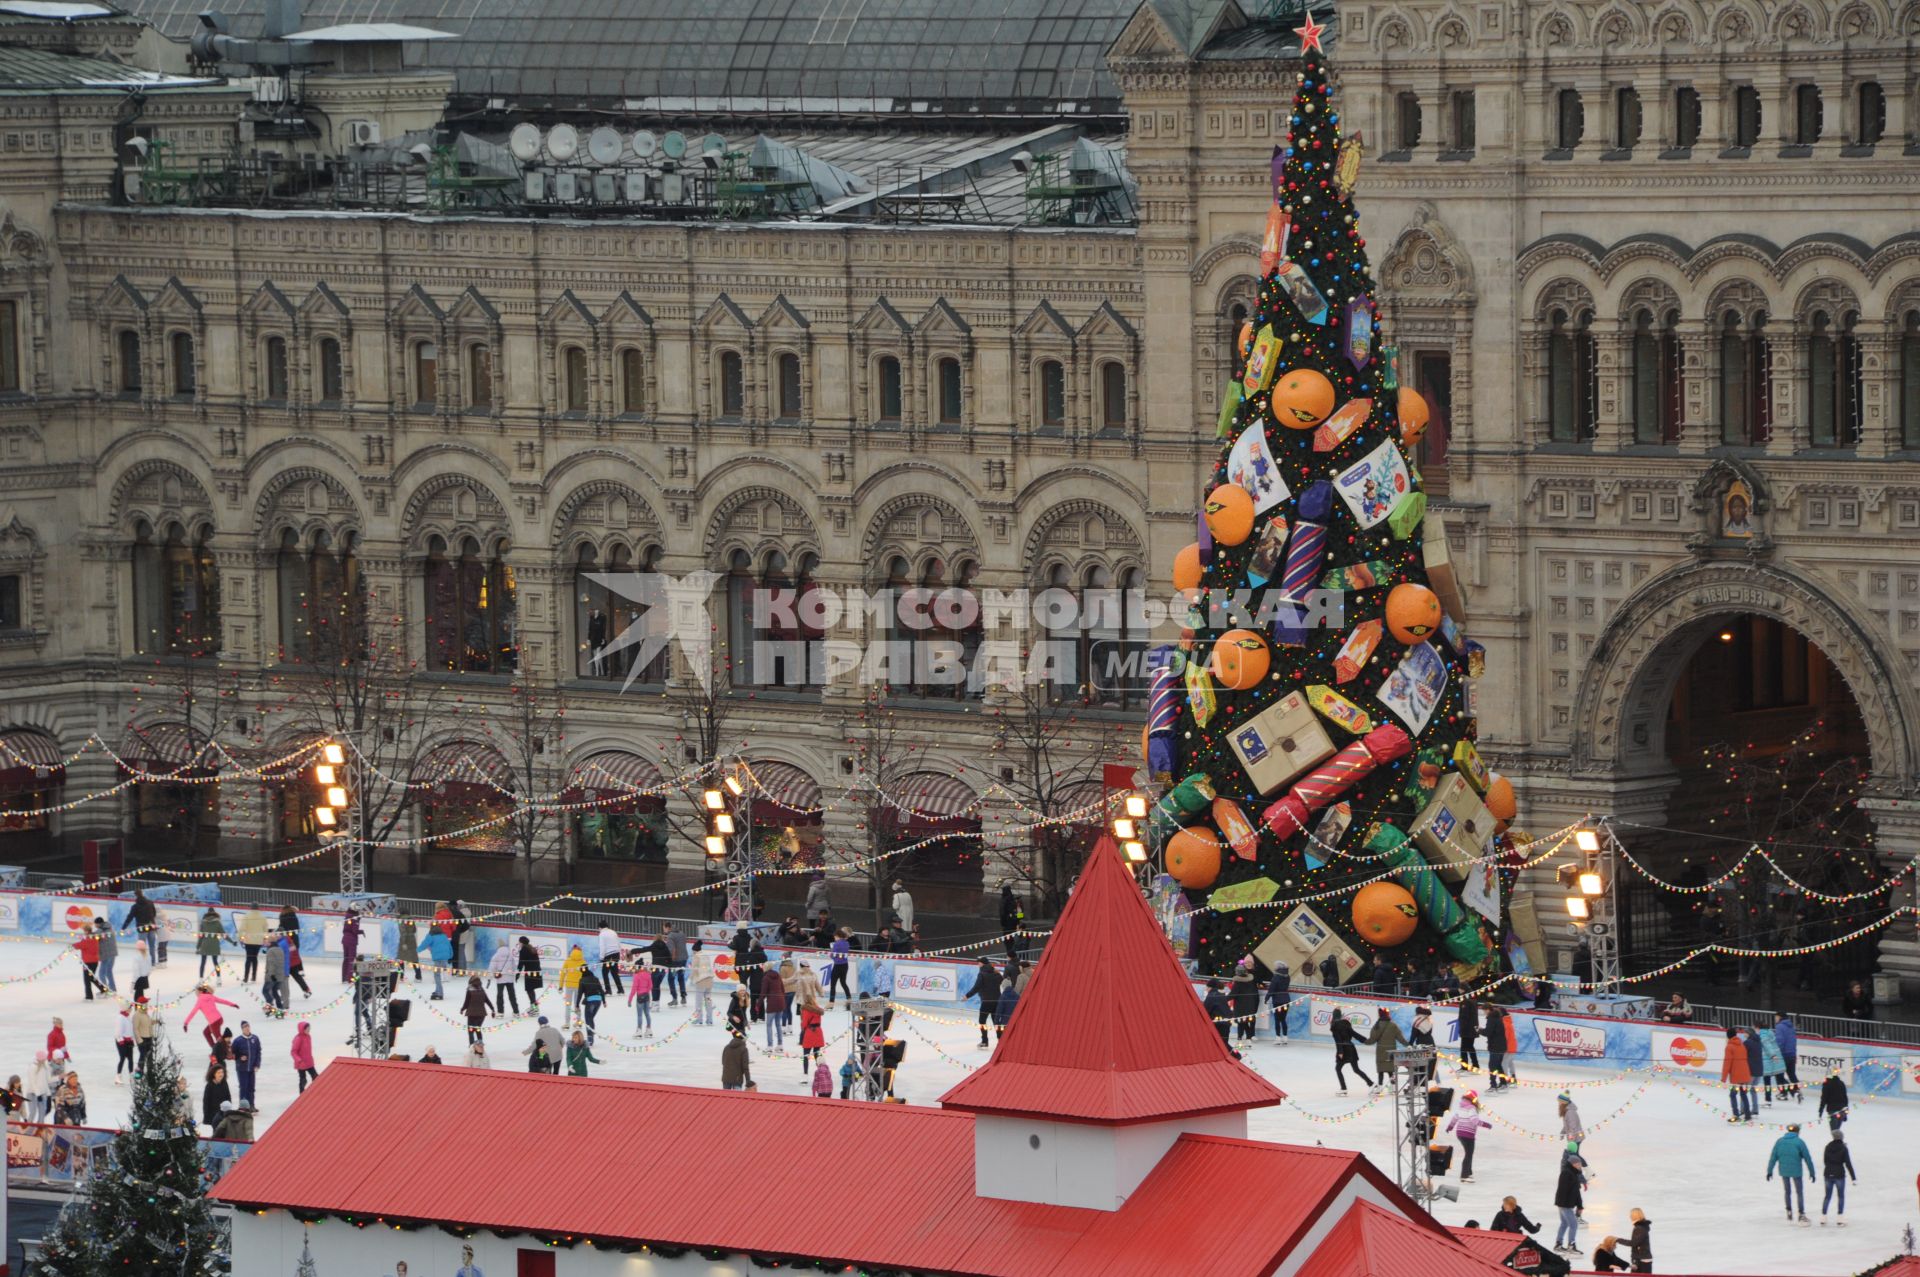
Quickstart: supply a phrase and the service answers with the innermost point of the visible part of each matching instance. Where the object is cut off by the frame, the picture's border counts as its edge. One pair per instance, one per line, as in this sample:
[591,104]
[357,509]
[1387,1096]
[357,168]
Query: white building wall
[1075,1164]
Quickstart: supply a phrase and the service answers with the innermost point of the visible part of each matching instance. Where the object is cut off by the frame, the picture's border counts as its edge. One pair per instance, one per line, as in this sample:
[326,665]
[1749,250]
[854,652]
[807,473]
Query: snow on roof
[25,68]
[368,33]
[1109,1030]
[58,10]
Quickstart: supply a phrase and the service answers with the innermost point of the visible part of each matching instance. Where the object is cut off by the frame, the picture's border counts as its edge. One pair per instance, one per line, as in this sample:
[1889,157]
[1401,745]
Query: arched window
[772,642]
[321,617]
[479,377]
[1910,380]
[1406,121]
[633,382]
[949,631]
[1870,119]
[1113,395]
[951,407]
[1833,382]
[1053,395]
[128,372]
[890,395]
[180,355]
[1746,382]
[472,624]
[733,385]
[1746,117]
[1656,378]
[1572,386]
[1569,119]
[603,616]
[1806,114]
[9,347]
[176,594]
[787,367]
[332,382]
[276,369]
[426,374]
[1626,118]
[573,369]
[1237,315]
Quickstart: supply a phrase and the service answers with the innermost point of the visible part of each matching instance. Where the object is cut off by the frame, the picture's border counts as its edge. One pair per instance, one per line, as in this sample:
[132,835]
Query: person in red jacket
[302,1053]
[813,1041]
[89,946]
[1735,1072]
[56,1037]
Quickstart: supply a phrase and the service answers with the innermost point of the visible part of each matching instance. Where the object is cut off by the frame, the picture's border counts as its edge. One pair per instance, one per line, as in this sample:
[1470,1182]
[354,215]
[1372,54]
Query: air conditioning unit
[363,132]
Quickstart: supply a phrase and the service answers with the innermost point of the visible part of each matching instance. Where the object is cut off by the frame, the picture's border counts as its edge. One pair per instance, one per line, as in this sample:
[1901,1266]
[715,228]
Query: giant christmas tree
[1312,725]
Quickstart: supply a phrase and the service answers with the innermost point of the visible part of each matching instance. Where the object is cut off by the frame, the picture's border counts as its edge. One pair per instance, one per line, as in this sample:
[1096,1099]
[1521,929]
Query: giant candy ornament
[1335,777]
[1163,711]
[1305,552]
[1187,569]
[1414,415]
[1458,932]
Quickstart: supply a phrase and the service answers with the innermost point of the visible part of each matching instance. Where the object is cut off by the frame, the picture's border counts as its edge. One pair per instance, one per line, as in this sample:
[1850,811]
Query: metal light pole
[339,802]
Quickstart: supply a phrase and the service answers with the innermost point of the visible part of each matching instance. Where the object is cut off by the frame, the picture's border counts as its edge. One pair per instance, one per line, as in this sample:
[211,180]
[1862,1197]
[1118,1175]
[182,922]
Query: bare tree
[883,757]
[206,700]
[530,733]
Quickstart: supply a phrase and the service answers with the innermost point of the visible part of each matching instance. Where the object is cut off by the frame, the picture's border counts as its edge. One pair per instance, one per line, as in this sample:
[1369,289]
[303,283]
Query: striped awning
[614,773]
[463,762]
[29,759]
[1079,796]
[935,796]
[787,787]
[166,749]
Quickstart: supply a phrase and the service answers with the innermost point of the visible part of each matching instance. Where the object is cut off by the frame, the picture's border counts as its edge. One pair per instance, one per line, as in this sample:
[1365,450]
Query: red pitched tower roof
[1108,1030]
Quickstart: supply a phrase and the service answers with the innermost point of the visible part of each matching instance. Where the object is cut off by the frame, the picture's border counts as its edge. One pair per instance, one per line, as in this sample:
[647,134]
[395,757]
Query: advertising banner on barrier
[1820,1060]
[926,981]
[182,926]
[1360,1014]
[1909,1066]
[1565,1040]
[70,917]
[1696,1050]
[9,913]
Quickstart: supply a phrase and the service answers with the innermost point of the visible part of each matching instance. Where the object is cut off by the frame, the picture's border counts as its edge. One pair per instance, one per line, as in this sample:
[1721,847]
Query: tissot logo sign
[1560,1040]
[1820,1060]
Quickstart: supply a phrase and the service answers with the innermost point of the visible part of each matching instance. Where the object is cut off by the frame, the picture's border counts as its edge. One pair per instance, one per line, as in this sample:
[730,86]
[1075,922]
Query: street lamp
[1592,903]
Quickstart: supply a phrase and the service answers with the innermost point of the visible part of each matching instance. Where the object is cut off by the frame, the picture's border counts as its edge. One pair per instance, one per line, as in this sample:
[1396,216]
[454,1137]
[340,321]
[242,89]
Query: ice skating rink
[1657,1142]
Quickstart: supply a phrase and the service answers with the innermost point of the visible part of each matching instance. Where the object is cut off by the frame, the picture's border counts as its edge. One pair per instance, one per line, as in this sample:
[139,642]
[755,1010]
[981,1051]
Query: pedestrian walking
[296,965]
[773,995]
[301,1052]
[1787,1037]
[109,953]
[1246,1001]
[813,1036]
[504,970]
[252,929]
[592,997]
[739,1014]
[439,947]
[407,948]
[1467,1024]
[1220,1011]
[1836,1163]
[1279,999]
[477,1008]
[1791,1158]
[1571,1127]
[570,972]
[1346,1050]
[123,1044]
[246,1062]
[1003,1010]
[1764,1058]
[819,897]
[143,1026]
[1833,1101]
[89,946]
[1386,1038]
[610,959]
[736,1067]
[1499,1037]
[273,984]
[902,905]
[142,968]
[1467,1125]
[675,941]
[841,949]
[39,1087]
[755,976]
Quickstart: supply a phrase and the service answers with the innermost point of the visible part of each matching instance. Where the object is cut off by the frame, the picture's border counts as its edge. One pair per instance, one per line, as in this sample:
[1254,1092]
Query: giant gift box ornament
[1453,828]
[1280,742]
[1301,940]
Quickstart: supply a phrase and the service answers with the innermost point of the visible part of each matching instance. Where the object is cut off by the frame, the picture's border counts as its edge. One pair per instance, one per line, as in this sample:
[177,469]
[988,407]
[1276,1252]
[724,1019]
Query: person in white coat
[39,1090]
[902,905]
[504,968]
[477,1057]
[142,968]
[700,964]
[610,958]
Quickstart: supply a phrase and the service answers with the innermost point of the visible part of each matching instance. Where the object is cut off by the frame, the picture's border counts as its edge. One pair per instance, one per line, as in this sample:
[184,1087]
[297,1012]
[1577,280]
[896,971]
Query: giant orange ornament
[1302,399]
[1414,414]
[1240,659]
[1413,612]
[1384,913]
[1193,858]
[1187,569]
[1501,803]
[1230,514]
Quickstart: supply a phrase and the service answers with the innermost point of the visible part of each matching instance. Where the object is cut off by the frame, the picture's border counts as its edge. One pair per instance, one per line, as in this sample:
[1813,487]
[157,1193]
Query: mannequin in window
[597,640]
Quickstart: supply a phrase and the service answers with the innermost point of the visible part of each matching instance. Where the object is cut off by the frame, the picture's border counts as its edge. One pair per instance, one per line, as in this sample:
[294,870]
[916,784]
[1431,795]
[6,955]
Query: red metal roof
[1488,1244]
[1108,1029]
[1371,1241]
[1179,1220]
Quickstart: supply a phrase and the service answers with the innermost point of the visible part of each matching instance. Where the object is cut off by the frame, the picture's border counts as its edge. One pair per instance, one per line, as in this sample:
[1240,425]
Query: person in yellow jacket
[253,938]
[570,979]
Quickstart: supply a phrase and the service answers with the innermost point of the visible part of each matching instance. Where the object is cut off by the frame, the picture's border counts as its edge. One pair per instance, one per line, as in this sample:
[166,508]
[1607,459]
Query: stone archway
[1619,716]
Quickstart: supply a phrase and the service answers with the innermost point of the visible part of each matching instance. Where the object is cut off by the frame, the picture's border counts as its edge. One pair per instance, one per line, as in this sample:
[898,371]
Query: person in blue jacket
[1772,1070]
[1790,1157]
[1280,997]
[440,956]
[1789,1039]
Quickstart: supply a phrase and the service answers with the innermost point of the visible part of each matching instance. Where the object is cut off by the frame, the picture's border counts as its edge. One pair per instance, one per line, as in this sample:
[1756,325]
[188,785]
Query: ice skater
[1467,1125]
[1568,1200]
[1737,1074]
[207,1006]
[1346,1050]
[1279,998]
[1833,1102]
[212,933]
[1790,1157]
[1837,1162]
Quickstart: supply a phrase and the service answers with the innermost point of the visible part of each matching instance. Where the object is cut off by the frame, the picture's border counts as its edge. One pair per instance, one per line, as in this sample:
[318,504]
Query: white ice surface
[1656,1143]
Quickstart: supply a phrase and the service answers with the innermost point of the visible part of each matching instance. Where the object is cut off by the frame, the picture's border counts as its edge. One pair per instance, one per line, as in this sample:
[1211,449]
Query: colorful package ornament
[1372,485]
[1254,891]
[1429,765]
[1338,710]
[1390,368]
[1359,346]
[1200,695]
[1459,935]
[1163,712]
[1273,245]
[1357,576]
[1467,759]
[1303,940]
[1407,513]
[1302,292]
[1250,464]
[1229,409]
[1453,828]
[1336,776]
[1278,171]
[1327,833]
[1280,742]
[1338,428]
[1267,552]
[1236,828]
[1440,573]
[1346,169]
[1180,806]
[1262,361]
[1357,651]
[1413,691]
[1476,658]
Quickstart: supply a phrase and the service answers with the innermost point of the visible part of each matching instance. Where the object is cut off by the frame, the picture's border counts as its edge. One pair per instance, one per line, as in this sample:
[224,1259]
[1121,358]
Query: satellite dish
[563,142]
[524,142]
[644,144]
[674,144]
[712,143]
[604,145]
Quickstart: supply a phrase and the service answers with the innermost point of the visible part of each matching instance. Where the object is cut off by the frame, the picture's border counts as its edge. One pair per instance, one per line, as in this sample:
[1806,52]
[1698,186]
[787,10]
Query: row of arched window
[1834,391]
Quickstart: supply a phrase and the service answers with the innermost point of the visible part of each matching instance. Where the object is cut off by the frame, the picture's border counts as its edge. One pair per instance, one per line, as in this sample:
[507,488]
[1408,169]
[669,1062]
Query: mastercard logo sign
[79,917]
[1688,1053]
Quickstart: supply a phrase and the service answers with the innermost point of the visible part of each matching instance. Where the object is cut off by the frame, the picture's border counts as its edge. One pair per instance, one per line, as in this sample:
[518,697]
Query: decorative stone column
[1700,424]
[1612,425]
[1788,354]
[1896,836]
[1879,388]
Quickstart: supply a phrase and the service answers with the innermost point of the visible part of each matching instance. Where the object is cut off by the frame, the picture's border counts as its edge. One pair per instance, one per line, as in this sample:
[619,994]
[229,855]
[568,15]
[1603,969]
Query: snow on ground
[1655,1142]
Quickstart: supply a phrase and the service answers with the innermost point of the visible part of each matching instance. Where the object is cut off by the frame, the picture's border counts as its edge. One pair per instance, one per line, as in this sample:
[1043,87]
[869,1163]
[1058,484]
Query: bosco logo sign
[926,982]
[1562,1041]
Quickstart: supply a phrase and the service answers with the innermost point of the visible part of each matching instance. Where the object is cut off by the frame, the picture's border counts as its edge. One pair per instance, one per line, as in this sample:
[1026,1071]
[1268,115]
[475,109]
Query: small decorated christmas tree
[143,1209]
[1313,725]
